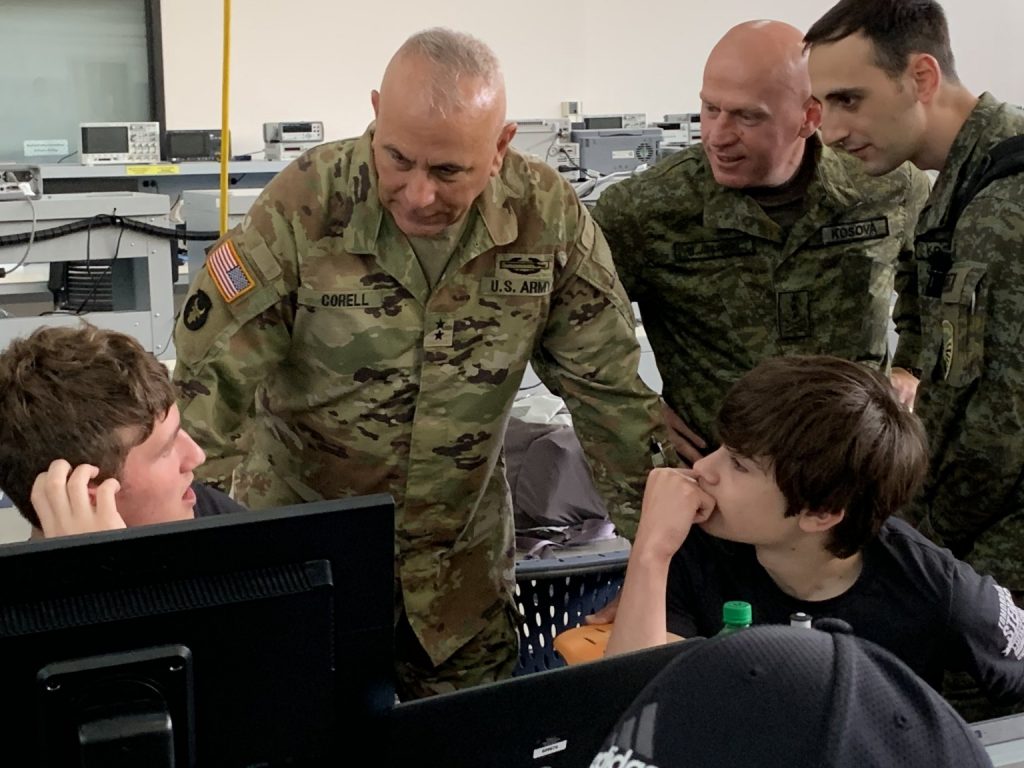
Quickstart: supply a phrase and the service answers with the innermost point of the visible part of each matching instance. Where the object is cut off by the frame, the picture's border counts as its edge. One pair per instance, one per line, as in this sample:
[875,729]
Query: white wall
[319,59]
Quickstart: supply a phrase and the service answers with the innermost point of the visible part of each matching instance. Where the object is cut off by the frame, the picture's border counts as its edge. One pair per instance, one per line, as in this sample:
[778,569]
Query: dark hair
[83,394]
[896,28]
[834,436]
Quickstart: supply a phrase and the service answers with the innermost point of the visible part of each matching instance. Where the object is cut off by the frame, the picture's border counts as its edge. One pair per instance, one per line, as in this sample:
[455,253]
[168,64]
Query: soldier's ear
[926,73]
[508,131]
[812,117]
[375,101]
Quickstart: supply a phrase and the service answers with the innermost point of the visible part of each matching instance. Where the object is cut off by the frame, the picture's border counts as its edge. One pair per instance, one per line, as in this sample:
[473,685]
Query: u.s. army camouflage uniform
[719,288]
[348,376]
[971,396]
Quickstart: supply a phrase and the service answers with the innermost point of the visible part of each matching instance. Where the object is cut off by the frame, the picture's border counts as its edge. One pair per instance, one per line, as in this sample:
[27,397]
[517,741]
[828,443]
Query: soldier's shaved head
[447,71]
[441,132]
[756,105]
[769,53]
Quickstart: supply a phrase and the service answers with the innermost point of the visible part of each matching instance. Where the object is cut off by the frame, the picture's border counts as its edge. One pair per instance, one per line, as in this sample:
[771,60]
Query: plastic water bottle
[736,615]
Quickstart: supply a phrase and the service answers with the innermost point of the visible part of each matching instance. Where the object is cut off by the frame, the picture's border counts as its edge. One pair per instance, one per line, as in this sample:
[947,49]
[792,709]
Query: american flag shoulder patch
[228,272]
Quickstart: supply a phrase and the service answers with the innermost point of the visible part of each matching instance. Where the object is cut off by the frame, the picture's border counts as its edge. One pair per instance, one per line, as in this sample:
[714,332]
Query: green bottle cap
[736,612]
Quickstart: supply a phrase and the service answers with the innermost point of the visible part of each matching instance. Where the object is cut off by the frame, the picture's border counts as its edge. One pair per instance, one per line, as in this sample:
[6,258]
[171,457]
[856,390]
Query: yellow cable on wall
[225,133]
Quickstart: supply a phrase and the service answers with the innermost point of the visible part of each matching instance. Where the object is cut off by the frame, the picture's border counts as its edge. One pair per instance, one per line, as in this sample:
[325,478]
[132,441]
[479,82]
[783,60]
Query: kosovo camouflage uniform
[342,373]
[720,285]
[971,396]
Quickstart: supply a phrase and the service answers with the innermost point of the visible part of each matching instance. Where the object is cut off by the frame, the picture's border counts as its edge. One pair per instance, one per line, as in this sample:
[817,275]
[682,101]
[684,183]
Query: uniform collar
[830,189]
[964,154]
[364,228]
[832,181]
[494,204]
[726,208]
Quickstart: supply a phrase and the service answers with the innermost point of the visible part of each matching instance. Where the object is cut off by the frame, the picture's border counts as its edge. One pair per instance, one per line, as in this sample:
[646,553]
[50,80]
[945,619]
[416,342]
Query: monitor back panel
[554,719]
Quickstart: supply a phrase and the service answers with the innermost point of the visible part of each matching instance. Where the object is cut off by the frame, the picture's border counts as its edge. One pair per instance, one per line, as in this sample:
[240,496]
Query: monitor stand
[119,710]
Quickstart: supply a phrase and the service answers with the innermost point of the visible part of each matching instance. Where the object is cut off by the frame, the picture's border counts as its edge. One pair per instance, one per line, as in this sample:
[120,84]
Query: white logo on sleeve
[1011,623]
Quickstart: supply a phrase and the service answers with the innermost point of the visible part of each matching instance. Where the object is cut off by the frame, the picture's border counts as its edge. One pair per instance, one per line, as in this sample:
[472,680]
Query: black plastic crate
[556,594]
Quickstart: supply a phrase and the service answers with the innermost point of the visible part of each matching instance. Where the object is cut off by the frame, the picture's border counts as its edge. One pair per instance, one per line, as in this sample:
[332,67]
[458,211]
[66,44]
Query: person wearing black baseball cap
[778,697]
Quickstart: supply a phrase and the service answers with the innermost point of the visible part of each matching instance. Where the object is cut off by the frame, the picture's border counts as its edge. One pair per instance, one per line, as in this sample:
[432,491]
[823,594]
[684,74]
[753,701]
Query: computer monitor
[255,639]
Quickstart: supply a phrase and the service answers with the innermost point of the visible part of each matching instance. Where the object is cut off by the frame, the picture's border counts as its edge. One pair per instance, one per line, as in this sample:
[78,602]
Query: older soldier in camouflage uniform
[366,329]
[760,242]
[885,72]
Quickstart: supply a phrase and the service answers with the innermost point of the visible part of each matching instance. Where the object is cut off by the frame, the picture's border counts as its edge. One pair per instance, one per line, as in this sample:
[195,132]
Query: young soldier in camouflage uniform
[884,71]
[759,242]
[366,329]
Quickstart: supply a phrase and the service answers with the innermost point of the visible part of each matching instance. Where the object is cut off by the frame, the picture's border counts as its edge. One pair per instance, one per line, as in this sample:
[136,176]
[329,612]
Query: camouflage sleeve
[232,330]
[589,356]
[623,231]
[982,466]
[907,312]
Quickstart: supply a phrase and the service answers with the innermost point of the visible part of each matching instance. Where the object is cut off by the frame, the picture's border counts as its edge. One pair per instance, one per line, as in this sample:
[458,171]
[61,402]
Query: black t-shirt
[210,501]
[912,598]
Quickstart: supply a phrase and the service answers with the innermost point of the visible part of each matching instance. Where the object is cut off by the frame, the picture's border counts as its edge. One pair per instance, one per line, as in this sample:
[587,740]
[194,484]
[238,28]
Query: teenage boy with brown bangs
[91,438]
[793,513]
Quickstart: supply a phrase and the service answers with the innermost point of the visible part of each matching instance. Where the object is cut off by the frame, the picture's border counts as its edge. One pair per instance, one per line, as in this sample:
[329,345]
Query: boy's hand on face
[673,502]
[67,502]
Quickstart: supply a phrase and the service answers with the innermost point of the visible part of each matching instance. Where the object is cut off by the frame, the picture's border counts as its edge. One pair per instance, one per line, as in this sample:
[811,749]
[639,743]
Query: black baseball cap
[780,697]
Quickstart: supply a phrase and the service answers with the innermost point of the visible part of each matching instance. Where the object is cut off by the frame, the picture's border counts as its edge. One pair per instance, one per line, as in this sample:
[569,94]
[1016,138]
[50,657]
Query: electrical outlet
[572,108]
[20,182]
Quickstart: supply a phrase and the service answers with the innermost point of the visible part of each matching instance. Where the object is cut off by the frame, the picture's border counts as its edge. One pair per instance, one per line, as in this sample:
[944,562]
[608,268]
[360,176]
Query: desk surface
[1003,739]
[136,170]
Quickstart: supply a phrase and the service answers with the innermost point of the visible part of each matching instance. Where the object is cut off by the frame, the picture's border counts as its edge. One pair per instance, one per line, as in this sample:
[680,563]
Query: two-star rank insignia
[440,335]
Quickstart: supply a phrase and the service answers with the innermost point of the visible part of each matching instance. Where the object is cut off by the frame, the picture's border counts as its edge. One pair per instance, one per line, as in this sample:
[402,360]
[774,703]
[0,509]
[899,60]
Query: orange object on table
[584,643]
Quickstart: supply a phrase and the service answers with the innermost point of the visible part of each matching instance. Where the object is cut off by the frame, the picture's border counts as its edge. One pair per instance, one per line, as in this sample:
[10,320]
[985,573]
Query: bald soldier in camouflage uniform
[759,242]
[885,72]
[367,328]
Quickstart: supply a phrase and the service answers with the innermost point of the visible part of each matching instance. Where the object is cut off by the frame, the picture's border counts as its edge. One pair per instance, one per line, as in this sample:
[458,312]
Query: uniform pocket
[961,317]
